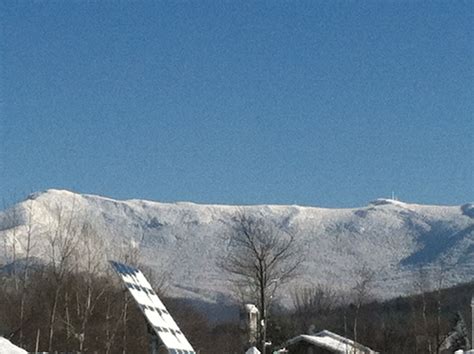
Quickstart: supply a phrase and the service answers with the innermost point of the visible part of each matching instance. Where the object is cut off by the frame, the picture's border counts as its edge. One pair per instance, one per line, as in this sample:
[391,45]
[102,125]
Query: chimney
[249,320]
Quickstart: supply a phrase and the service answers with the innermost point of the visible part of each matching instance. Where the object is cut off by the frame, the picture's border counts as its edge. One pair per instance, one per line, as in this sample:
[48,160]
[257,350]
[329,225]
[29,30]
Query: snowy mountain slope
[184,239]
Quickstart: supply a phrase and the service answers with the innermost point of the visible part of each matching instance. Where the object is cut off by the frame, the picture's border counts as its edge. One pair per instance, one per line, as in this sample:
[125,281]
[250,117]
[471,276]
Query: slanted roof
[332,342]
[252,350]
[251,308]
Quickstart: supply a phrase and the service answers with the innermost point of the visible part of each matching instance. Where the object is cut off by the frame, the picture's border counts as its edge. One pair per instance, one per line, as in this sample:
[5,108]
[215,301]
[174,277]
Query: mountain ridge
[377,201]
[184,239]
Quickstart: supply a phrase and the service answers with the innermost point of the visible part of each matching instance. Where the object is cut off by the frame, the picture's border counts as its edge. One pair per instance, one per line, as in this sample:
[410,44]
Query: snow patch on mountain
[185,240]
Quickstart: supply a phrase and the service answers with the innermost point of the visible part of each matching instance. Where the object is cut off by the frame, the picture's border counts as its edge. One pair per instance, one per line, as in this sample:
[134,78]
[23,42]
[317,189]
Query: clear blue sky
[330,103]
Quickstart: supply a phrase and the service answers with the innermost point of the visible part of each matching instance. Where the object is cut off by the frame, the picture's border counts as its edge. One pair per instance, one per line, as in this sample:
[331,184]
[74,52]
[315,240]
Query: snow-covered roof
[332,342]
[252,350]
[251,308]
[6,347]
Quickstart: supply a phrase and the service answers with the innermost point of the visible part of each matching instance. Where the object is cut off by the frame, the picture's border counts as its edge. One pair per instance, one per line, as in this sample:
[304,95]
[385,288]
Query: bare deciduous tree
[314,302]
[87,293]
[27,249]
[364,278]
[63,237]
[18,246]
[12,221]
[261,256]
[429,282]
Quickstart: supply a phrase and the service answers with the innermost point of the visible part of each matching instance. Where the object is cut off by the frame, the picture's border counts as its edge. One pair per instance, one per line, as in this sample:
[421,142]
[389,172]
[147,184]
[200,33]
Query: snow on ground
[6,347]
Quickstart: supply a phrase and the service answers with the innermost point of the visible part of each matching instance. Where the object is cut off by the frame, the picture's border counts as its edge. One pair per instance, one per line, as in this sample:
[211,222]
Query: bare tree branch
[261,257]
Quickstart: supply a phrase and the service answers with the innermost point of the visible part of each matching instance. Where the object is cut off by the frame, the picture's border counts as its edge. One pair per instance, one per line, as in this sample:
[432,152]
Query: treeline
[83,312]
[414,324]
[89,313]
[72,301]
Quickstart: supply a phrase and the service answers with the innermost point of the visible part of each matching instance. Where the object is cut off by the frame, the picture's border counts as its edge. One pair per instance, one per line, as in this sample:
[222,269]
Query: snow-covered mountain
[184,240]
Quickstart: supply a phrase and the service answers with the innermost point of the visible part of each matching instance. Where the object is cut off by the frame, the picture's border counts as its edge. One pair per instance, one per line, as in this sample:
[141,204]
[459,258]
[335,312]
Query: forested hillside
[185,240]
[69,309]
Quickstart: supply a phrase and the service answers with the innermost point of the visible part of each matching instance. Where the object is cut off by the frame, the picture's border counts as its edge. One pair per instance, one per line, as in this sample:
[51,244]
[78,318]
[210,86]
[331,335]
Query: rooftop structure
[325,342]
[252,350]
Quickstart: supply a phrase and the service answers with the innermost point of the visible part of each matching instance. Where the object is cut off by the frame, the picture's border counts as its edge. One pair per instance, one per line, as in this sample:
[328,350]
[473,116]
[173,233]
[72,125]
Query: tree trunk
[52,320]
[425,322]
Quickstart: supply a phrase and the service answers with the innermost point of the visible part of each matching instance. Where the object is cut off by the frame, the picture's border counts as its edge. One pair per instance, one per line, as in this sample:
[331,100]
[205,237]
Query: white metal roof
[332,342]
[252,350]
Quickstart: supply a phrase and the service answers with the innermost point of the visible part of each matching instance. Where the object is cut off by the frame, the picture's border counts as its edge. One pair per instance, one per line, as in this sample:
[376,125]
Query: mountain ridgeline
[182,242]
